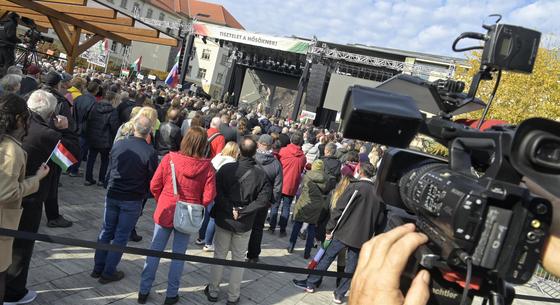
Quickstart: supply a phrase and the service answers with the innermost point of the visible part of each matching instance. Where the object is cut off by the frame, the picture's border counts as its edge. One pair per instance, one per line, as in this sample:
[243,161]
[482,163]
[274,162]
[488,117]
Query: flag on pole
[104,46]
[173,77]
[62,157]
[136,65]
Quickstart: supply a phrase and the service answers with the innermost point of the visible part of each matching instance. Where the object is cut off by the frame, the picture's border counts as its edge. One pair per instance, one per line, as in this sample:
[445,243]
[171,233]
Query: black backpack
[208,150]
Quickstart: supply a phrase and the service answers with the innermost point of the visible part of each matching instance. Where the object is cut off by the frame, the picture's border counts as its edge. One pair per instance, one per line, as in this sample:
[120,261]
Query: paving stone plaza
[60,274]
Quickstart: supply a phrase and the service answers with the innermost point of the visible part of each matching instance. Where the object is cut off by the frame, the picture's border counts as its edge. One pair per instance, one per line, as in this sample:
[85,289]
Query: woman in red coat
[195,184]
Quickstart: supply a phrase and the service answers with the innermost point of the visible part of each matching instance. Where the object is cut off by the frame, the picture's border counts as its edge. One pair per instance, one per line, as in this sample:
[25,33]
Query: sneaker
[171,301]
[60,222]
[252,260]
[95,274]
[291,248]
[101,183]
[208,248]
[199,242]
[283,234]
[306,255]
[117,276]
[336,299]
[209,296]
[29,297]
[75,175]
[90,182]
[303,285]
[142,298]
[233,302]
[135,237]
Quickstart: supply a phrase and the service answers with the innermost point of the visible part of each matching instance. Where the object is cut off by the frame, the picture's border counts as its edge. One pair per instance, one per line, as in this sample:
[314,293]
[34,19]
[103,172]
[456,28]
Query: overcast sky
[417,25]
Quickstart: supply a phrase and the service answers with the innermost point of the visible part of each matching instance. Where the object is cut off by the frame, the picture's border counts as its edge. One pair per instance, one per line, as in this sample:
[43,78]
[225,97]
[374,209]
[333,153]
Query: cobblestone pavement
[60,274]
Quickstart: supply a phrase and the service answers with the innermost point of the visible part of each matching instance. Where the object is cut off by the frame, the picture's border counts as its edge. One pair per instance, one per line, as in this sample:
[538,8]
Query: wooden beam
[162,41]
[126,29]
[76,2]
[63,34]
[75,40]
[124,21]
[50,12]
[87,44]
[65,8]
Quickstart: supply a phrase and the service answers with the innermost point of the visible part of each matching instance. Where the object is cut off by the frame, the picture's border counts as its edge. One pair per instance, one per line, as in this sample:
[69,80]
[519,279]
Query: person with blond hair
[127,129]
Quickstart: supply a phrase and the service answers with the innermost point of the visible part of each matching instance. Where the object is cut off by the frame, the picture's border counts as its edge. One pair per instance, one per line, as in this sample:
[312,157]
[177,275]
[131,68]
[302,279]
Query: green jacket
[313,198]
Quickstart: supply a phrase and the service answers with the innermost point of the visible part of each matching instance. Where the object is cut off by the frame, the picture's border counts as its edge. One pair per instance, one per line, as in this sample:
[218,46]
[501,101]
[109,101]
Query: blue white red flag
[173,77]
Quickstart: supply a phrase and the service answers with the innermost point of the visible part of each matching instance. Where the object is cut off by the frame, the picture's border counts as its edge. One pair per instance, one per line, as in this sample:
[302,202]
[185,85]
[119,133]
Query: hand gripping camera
[485,228]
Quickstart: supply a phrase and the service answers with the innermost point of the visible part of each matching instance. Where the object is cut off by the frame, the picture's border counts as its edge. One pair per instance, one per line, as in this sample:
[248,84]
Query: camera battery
[492,237]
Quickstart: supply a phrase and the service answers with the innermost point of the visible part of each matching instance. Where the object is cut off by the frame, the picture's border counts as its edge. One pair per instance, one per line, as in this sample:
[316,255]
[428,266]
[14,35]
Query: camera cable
[468,261]
[487,108]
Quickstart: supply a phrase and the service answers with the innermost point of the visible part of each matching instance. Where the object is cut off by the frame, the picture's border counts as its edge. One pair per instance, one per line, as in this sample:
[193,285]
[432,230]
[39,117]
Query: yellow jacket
[13,187]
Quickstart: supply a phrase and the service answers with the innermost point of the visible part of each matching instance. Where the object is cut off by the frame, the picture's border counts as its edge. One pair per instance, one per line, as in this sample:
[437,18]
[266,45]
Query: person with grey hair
[132,163]
[10,83]
[216,141]
[14,70]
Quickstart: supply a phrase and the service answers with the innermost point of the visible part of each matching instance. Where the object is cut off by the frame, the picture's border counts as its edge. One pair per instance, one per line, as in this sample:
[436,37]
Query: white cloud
[416,25]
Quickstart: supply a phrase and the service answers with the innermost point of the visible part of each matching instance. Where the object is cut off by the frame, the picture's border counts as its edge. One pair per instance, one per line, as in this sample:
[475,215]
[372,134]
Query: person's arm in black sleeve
[11,32]
[261,202]
[114,122]
[152,164]
[336,212]
[277,190]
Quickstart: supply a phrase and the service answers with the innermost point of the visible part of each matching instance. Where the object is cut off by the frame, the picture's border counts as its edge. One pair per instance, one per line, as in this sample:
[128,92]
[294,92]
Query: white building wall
[216,70]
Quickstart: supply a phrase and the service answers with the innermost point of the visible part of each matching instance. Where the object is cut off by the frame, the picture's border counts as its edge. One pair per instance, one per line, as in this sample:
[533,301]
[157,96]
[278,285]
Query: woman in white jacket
[229,154]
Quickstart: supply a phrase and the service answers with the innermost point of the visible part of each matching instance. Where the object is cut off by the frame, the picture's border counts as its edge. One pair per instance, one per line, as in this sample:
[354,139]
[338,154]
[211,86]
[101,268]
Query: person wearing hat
[311,202]
[30,82]
[273,170]
[8,41]
[69,139]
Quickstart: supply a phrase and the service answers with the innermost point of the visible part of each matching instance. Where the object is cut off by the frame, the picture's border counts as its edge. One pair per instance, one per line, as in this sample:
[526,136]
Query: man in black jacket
[363,216]
[229,133]
[168,136]
[8,41]
[332,165]
[82,107]
[273,170]
[242,190]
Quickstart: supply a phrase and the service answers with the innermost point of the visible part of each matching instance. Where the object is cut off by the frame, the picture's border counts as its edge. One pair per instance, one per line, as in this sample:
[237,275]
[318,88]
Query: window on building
[161,16]
[224,60]
[205,54]
[201,73]
[124,3]
[219,78]
[149,13]
[136,8]
[114,46]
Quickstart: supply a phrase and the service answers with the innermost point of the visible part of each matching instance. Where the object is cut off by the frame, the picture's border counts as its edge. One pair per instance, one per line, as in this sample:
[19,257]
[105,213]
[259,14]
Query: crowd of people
[239,167]
[244,167]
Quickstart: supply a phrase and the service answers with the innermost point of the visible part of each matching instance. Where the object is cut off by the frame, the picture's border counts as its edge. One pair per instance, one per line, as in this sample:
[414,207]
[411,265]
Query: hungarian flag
[62,157]
[136,65]
[104,46]
[173,77]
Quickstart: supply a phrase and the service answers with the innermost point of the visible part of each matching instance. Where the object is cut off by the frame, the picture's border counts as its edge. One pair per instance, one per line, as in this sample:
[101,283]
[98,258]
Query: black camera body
[485,229]
[33,36]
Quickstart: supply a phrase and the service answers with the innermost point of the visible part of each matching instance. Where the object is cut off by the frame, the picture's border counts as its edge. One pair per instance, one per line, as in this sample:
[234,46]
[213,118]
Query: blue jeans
[119,220]
[332,251]
[159,242]
[208,228]
[310,236]
[286,203]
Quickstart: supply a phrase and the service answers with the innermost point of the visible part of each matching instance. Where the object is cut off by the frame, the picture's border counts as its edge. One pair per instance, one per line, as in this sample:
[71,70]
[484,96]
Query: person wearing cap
[69,140]
[30,81]
[309,205]
[273,170]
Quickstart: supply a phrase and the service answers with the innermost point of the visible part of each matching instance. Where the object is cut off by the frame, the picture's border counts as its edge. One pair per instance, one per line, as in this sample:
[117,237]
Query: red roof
[203,11]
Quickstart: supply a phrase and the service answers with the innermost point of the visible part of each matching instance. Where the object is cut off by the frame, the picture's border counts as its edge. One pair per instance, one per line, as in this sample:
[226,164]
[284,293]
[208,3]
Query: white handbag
[188,217]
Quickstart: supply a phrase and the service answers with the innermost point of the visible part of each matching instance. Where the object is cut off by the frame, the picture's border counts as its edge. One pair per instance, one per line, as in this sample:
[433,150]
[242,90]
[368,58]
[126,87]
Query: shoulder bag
[188,217]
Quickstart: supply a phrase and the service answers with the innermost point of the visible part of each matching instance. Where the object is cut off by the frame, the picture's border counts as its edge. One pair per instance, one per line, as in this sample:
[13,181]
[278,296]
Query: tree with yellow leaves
[520,96]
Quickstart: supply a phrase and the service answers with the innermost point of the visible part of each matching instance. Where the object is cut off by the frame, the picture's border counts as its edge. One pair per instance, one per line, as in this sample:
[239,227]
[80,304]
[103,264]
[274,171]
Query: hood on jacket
[291,151]
[104,107]
[264,158]
[74,91]
[317,176]
[195,166]
[218,161]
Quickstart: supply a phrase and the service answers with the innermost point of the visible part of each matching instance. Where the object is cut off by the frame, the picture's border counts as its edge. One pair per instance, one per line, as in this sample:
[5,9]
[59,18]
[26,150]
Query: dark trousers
[16,277]
[7,58]
[310,236]
[2,286]
[83,156]
[284,214]
[254,248]
[334,248]
[93,152]
[51,203]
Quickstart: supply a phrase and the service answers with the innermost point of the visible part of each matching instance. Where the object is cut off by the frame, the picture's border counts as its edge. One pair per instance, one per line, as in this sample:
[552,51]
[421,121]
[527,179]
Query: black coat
[249,196]
[168,138]
[273,170]
[124,109]
[28,85]
[39,143]
[229,133]
[363,218]
[103,123]
[82,107]
[8,33]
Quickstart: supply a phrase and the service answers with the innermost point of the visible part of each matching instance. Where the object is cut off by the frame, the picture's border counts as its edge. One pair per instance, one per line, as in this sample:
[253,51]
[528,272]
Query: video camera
[33,36]
[485,229]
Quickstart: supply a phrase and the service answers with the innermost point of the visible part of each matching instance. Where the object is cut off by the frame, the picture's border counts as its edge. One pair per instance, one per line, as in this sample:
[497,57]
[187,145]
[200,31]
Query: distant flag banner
[104,47]
[62,157]
[137,64]
[173,77]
